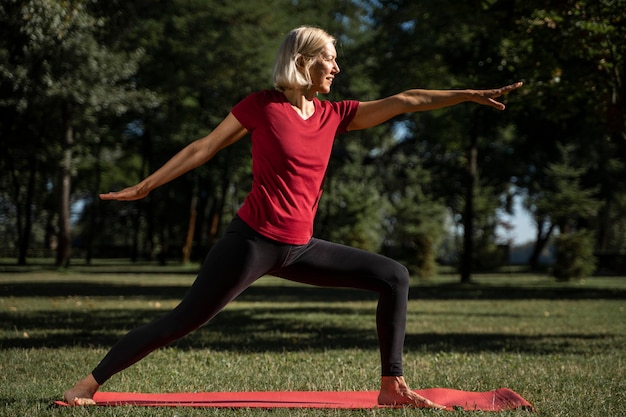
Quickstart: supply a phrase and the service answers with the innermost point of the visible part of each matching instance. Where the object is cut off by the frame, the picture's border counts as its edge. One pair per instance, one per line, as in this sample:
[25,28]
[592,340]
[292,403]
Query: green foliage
[565,200]
[574,256]
[58,84]
[616,234]
[571,55]
[143,78]
[443,45]
[353,212]
[60,60]
[416,220]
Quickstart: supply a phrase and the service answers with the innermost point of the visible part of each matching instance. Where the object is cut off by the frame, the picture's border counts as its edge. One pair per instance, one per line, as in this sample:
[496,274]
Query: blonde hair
[296,54]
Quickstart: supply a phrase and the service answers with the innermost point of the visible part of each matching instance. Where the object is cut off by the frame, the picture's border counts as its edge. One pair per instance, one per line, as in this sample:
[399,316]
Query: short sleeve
[247,111]
[347,110]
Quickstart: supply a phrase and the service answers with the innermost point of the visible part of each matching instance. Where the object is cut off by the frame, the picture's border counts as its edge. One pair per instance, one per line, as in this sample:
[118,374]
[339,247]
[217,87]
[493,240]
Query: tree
[440,45]
[416,221]
[572,56]
[566,202]
[61,74]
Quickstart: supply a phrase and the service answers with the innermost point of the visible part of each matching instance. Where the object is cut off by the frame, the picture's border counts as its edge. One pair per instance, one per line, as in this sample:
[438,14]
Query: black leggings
[240,258]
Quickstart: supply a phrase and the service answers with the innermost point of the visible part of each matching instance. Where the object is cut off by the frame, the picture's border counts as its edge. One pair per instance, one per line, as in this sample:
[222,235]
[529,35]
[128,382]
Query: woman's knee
[402,276]
[397,276]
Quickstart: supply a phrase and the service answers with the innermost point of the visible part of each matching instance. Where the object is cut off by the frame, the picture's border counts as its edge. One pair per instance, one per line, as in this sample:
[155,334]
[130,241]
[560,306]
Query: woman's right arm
[191,156]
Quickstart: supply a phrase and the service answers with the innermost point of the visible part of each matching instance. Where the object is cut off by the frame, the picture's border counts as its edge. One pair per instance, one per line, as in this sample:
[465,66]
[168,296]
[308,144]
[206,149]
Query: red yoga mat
[497,400]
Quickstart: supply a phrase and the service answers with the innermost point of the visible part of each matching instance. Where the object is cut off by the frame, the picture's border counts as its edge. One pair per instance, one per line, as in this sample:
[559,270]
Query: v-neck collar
[297,111]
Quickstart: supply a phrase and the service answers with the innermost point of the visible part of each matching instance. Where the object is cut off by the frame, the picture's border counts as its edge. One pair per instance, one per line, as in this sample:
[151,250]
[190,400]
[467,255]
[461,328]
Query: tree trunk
[540,243]
[217,209]
[468,213]
[28,213]
[191,229]
[24,218]
[134,251]
[65,182]
[94,219]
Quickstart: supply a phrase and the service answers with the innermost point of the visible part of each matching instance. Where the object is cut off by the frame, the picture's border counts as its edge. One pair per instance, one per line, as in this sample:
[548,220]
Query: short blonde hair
[297,53]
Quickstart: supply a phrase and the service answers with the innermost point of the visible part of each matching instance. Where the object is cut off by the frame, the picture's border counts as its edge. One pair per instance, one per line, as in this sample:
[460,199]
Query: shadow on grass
[278,328]
[280,293]
[264,329]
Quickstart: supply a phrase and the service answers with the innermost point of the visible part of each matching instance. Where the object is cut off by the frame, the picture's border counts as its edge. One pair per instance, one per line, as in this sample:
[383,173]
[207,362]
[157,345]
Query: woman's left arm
[373,113]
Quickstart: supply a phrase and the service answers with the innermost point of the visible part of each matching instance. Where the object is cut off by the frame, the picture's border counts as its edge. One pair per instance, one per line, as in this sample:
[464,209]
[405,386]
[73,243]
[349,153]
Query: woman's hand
[135,192]
[486,97]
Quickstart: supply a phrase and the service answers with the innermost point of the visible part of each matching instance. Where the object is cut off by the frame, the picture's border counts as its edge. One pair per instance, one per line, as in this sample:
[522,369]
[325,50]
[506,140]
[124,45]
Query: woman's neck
[301,102]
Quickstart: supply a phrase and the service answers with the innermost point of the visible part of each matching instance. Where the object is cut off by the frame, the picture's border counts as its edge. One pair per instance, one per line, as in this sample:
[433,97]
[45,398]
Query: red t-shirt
[289,160]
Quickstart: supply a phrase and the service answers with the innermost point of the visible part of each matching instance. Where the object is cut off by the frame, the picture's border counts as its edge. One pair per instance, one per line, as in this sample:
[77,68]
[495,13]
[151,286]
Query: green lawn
[562,346]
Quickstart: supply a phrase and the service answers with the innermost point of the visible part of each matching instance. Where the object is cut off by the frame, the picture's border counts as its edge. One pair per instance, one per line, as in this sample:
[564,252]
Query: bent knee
[402,276]
[397,276]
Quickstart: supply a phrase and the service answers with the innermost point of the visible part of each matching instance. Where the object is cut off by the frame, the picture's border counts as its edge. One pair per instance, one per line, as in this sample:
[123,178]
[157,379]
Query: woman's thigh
[232,265]
[330,264]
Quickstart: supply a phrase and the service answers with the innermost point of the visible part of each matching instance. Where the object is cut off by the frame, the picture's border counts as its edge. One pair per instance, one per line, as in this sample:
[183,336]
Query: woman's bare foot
[395,391]
[82,393]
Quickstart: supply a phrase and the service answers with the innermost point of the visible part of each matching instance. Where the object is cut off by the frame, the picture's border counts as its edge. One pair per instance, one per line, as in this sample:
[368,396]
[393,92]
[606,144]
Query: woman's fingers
[130,193]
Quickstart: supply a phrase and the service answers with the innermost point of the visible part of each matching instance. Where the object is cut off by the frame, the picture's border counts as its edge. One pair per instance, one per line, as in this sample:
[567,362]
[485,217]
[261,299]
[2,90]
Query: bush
[489,256]
[574,256]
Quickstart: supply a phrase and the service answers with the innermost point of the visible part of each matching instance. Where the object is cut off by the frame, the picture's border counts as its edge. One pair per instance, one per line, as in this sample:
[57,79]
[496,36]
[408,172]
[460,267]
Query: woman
[292,133]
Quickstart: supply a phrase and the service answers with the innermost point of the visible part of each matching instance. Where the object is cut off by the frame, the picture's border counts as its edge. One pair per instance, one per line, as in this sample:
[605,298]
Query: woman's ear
[300,62]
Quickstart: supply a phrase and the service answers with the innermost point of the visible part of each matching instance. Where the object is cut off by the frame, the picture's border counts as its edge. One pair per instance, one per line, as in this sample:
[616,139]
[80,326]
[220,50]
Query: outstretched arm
[191,156]
[373,113]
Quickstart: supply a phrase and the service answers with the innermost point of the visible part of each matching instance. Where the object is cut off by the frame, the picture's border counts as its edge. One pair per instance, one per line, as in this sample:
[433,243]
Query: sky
[524,229]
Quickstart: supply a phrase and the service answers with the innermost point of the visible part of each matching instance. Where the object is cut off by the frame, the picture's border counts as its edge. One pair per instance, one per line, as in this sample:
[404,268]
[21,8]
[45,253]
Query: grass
[562,346]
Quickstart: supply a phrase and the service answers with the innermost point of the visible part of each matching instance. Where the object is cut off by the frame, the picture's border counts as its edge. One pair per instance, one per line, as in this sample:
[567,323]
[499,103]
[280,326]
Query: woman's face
[324,69]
